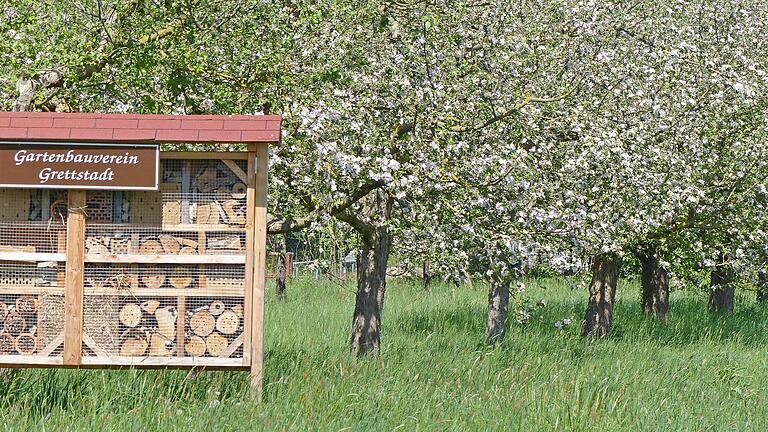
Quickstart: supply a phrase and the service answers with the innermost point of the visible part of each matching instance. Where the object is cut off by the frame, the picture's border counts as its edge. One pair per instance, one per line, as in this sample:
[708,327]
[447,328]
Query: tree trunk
[498,311]
[655,280]
[762,287]
[372,281]
[426,275]
[280,284]
[602,293]
[721,290]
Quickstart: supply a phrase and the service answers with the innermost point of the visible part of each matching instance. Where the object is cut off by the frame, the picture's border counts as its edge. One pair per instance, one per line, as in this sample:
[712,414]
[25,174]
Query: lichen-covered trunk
[371,283]
[498,312]
[722,289]
[602,294]
[655,284]
[762,287]
[280,285]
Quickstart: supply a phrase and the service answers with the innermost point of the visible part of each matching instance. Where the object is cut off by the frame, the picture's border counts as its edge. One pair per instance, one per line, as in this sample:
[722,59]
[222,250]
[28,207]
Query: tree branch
[337,210]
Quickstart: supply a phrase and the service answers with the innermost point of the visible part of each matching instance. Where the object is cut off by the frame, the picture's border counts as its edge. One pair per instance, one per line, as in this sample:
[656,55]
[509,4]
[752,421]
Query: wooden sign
[79,166]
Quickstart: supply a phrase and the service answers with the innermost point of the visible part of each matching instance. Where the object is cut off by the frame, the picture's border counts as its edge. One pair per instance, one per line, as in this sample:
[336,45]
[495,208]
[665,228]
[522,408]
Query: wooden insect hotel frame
[116,254]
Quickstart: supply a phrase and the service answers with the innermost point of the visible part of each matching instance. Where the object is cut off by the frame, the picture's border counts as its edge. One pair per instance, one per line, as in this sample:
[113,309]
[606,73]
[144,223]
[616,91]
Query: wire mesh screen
[146,240]
[31,237]
[31,308]
[150,292]
[163,311]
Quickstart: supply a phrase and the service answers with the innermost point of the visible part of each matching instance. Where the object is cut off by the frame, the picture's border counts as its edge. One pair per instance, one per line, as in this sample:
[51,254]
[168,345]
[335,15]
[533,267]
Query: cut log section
[166,322]
[172,212]
[7,343]
[202,323]
[228,322]
[3,311]
[217,307]
[238,309]
[185,242]
[170,244]
[181,278]
[186,250]
[152,277]
[238,191]
[206,181]
[208,213]
[26,344]
[15,324]
[130,314]
[150,247]
[150,306]
[195,346]
[226,242]
[160,346]
[216,344]
[233,216]
[134,347]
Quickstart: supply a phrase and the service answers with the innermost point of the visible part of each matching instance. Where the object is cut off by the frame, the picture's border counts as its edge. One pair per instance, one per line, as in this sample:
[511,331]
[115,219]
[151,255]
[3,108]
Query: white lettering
[19,157]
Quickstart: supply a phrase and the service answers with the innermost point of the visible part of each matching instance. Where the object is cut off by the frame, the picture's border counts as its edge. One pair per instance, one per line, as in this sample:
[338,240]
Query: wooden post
[73,283]
[255,269]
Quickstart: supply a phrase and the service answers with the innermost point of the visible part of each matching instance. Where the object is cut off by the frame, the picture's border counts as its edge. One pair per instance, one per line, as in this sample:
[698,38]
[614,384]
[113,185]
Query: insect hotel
[116,254]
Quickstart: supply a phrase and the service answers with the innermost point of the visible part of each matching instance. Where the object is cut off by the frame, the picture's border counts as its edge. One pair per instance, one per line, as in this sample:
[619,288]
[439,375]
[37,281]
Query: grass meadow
[695,373]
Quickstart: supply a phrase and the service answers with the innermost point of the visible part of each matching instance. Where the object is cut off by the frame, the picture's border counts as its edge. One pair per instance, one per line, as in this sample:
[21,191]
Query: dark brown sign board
[79,165]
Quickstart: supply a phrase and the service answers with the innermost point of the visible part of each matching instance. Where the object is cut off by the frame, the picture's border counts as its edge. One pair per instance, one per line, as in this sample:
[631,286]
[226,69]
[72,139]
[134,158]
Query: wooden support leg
[73,284]
[256,244]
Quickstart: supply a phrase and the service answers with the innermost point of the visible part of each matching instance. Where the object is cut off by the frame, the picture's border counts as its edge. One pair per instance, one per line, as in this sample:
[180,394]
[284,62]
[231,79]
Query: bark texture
[722,290]
[602,294]
[762,287]
[280,285]
[426,275]
[498,312]
[655,281]
[371,276]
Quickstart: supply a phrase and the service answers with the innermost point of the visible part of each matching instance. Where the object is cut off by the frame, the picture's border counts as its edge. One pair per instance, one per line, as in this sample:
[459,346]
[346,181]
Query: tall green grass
[695,373]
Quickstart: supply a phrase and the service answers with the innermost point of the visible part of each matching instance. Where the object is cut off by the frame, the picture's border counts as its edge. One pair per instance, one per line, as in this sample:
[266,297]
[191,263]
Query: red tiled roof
[55,126]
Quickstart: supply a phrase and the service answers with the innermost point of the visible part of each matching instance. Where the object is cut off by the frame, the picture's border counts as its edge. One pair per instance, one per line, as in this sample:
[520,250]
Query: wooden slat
[250,215]
[32,257]
[204,155]
[259,269]
[160,361]
[211,291]
[73,284]
[237,343]
[236,169]
[51,347]
[25,361]
[90,343]
[165,259]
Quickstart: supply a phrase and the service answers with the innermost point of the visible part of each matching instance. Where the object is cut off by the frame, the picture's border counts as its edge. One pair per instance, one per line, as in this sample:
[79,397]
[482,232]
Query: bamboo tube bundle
[26,305]
[15,324]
